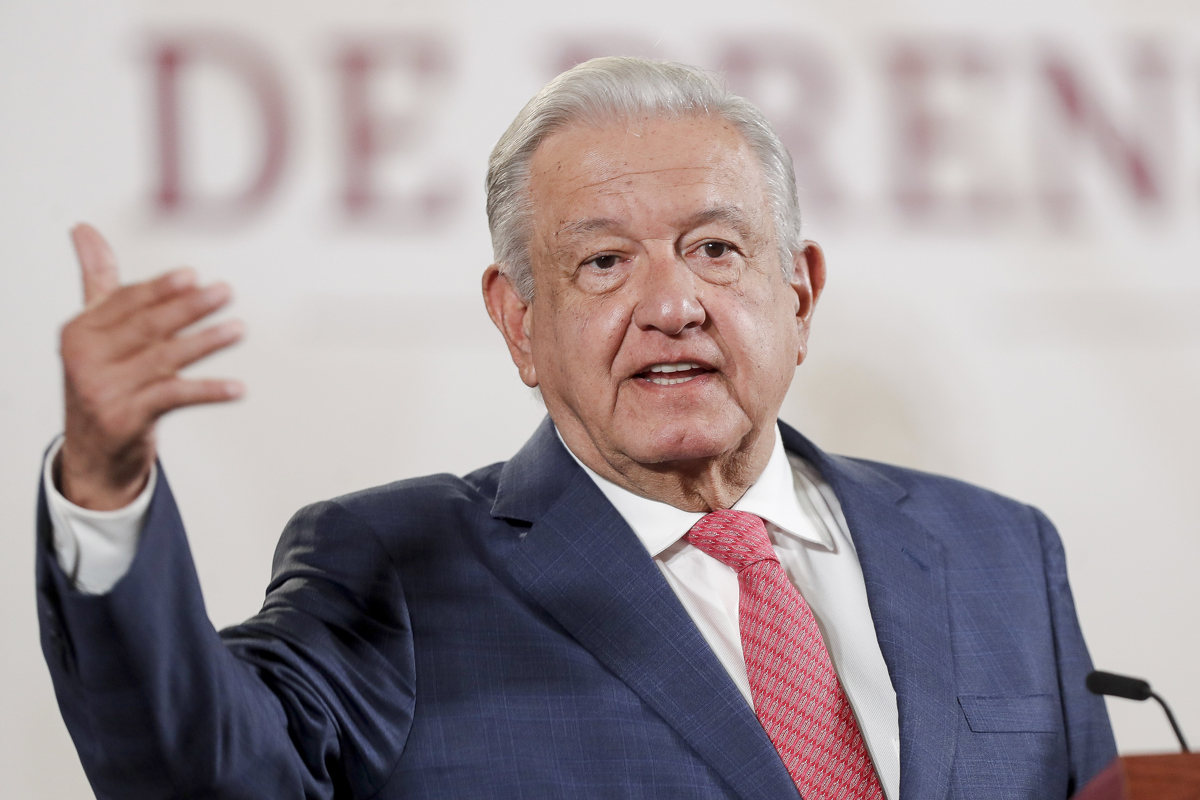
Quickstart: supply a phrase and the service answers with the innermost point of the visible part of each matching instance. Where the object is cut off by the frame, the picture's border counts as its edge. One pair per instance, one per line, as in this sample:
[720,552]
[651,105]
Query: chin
[684,440]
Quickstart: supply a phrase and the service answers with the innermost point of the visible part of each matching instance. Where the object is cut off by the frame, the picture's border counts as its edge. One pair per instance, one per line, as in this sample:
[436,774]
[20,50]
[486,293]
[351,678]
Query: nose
[667,300]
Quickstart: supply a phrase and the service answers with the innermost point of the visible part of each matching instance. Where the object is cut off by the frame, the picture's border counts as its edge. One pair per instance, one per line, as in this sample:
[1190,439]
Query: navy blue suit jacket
[506,635]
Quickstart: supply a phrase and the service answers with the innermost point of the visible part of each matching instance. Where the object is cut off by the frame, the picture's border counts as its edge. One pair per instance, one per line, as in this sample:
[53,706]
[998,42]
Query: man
[666,593]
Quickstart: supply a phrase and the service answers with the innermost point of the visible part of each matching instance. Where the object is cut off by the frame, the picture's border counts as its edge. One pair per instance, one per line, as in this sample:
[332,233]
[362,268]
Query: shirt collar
[773,497]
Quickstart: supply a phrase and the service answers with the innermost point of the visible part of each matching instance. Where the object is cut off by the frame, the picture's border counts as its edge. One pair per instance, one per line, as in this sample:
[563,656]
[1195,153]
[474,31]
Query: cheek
[583,342]
[766,336]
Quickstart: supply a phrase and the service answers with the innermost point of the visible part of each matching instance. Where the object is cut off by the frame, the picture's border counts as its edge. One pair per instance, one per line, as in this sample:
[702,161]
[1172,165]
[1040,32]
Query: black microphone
[1113,685]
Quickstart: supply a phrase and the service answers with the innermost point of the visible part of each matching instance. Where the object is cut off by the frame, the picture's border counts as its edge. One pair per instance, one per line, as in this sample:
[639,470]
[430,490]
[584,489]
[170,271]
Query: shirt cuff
[94,548]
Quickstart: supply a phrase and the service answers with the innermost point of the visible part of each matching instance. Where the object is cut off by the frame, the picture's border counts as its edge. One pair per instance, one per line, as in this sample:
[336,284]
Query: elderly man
[665,593]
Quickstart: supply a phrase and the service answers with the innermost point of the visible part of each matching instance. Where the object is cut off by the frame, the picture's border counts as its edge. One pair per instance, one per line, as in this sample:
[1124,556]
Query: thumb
[96,262]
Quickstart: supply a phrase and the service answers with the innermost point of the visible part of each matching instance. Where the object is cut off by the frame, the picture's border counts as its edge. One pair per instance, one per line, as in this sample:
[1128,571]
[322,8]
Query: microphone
[1113,685]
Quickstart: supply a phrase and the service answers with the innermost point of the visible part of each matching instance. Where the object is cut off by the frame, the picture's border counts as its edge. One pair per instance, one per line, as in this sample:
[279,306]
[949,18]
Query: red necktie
[797,695]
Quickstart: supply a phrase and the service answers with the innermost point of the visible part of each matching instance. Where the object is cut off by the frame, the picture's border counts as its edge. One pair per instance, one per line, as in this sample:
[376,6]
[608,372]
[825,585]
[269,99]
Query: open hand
[121,360]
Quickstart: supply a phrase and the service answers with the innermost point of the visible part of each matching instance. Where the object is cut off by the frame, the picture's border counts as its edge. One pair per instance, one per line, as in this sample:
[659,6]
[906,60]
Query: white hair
[595,92]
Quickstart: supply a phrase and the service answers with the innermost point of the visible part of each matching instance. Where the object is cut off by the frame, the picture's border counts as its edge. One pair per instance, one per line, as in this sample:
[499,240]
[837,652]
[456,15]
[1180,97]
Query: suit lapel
[583,564]
[586,568]
[903,569]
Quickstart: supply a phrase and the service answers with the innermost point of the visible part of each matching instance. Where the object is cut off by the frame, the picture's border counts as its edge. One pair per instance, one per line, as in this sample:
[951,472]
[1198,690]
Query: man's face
[662,328]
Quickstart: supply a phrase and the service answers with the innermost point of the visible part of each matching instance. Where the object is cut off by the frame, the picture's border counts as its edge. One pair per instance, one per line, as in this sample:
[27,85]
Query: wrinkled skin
[653,244]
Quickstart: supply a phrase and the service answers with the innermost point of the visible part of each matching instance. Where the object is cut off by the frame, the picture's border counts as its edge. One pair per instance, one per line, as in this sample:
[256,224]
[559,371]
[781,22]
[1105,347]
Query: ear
[808,281]
[514,317]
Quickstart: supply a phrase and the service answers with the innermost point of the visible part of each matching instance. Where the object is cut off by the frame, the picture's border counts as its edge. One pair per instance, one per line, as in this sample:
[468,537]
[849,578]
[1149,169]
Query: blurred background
[1008,195]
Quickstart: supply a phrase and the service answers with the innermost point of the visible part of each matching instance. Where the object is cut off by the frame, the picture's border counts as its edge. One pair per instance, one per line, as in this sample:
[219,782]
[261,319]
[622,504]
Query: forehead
[635,170]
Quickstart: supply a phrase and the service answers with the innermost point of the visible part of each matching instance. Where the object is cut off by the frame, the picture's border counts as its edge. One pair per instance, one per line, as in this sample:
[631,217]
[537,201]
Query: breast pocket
[1029,713]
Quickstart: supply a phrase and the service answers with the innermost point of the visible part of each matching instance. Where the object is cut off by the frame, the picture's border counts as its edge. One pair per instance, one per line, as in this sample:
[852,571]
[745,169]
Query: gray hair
[593,93]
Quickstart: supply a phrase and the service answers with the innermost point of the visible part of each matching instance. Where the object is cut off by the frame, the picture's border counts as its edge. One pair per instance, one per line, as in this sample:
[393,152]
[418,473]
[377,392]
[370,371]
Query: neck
[698,485]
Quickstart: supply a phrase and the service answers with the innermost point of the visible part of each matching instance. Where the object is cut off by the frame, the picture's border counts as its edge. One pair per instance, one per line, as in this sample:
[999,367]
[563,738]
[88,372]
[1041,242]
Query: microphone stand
[1114,685]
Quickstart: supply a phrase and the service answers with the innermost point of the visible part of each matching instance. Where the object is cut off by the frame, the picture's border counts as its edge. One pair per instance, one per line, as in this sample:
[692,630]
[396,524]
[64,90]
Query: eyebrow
[583,226]
[732,215]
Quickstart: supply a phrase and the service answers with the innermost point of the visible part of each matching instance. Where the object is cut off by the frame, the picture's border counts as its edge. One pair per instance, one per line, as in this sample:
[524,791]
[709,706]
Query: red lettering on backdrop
[1137,153]
[175,196]
[942,96]
[374,134]
[948,130]
[793,83]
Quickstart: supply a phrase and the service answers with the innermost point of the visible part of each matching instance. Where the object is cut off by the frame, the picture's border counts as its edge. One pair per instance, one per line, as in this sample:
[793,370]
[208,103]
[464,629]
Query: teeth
[657,373]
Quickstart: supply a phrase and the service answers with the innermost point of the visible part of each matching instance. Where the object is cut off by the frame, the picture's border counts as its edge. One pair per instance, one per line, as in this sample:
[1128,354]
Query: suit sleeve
[94,547]
[312,697]
[1090,743]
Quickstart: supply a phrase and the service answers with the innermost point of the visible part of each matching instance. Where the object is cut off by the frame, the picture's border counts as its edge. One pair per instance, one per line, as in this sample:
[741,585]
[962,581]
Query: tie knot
[737,539]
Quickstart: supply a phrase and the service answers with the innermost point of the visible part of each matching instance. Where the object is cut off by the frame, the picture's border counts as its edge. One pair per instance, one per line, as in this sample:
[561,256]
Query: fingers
[158,323]
[171,316]
[96,262]
[168,395]
[121,357]
[166,358]
[108,303]
[126,301]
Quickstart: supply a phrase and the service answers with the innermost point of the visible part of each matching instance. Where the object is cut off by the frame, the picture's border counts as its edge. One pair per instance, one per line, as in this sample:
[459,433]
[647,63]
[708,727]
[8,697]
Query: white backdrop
[1008,195]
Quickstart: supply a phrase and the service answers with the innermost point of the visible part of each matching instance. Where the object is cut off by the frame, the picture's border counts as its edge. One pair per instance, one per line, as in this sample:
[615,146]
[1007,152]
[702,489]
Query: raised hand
[121,358]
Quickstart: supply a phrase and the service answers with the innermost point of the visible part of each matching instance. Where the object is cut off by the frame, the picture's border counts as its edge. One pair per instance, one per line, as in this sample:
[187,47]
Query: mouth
[674,373]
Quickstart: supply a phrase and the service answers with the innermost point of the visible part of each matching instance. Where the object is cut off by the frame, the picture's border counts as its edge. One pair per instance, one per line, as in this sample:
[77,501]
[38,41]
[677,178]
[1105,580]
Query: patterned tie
[797,695]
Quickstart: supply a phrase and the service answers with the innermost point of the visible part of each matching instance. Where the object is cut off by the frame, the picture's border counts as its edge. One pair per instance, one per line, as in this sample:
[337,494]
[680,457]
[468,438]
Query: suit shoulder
[402,513]
[425,493]
[918,491]
[979,530]
[950,504]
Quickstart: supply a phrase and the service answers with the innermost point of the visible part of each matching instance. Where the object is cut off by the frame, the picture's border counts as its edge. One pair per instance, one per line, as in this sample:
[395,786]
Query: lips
[674,373]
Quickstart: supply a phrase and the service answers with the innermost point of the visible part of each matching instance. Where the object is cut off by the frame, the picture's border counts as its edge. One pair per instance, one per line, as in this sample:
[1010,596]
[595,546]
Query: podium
[1174,776]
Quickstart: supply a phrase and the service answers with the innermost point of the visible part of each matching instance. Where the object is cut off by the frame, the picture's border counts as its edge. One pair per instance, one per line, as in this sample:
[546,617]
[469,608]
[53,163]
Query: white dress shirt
[809,533]
[803,519]
[94,548]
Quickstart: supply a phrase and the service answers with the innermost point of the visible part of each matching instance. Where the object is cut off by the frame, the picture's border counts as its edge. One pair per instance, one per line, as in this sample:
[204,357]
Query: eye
[714,249]
[604,262]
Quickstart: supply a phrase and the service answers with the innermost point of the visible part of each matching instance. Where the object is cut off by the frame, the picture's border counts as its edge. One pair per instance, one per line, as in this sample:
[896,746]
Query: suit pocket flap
[1011,713]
